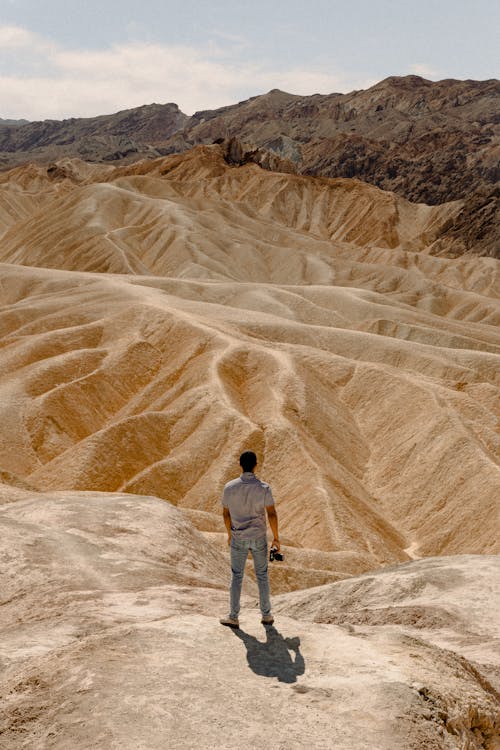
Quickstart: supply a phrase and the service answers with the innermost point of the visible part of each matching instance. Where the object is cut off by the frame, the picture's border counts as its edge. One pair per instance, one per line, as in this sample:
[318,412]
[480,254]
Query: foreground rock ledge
[110,639]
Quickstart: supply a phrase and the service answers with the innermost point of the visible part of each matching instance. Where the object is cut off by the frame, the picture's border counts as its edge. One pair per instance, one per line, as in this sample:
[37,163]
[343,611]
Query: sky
[81,58]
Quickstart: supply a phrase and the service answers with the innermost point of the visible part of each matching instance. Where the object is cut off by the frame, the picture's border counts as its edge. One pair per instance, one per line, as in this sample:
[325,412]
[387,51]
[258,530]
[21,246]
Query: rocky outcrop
[237,154]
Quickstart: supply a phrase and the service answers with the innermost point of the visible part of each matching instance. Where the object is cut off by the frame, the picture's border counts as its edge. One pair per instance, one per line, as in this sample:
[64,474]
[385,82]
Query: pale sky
[80,58]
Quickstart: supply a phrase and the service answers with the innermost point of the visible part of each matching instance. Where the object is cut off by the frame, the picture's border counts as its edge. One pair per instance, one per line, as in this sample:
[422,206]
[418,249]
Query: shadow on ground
[275,657]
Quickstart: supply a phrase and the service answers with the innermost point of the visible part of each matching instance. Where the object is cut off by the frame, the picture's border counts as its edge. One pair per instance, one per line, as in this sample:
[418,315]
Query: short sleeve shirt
[246,499]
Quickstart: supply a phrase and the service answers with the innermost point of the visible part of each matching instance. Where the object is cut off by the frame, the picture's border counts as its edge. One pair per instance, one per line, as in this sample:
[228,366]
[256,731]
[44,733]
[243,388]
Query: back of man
[246,500]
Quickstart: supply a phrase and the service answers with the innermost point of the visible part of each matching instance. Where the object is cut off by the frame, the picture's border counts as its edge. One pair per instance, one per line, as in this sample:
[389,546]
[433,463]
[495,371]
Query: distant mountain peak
[14,123]
[411,79]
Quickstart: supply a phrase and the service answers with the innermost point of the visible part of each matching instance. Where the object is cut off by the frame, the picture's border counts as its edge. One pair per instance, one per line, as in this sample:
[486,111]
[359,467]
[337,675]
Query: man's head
[248,461]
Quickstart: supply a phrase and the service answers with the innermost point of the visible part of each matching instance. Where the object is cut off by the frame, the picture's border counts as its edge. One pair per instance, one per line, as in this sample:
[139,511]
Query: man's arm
[227,520]
[272,517]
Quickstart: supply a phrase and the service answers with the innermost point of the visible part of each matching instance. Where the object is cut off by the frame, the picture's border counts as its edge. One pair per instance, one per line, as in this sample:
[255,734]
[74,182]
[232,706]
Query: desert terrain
[157,319]
[428,141]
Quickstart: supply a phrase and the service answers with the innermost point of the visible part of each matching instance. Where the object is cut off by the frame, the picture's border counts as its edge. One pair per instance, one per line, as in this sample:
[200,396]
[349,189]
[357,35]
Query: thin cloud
[422,69]
[17,38]
[58,83]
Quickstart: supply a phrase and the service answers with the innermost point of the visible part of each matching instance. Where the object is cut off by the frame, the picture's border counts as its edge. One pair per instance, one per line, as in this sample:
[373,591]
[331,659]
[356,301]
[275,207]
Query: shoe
[230,622]
[267,619]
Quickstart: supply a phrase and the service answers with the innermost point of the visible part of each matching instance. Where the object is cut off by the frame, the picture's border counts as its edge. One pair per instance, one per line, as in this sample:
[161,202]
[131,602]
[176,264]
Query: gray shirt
[246,499]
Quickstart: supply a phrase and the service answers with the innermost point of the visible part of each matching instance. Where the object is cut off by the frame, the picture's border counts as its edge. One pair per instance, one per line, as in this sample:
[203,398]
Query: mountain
[81,210]
[431,142]
[129,133]
[14,123]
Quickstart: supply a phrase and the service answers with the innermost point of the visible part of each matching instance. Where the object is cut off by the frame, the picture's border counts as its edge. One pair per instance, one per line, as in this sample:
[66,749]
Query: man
[245,502]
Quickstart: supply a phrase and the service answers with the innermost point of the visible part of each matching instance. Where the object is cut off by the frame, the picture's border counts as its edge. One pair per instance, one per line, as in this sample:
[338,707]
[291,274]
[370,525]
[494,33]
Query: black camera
[274,554]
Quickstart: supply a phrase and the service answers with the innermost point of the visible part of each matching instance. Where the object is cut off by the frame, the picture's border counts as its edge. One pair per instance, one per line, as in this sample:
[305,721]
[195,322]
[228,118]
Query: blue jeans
[239,554]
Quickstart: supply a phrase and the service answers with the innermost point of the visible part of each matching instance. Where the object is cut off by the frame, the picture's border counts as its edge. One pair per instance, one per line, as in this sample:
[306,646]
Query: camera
[274,554]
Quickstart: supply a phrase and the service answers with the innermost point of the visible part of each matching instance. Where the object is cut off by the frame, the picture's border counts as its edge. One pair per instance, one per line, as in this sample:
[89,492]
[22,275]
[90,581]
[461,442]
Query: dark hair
[248,461]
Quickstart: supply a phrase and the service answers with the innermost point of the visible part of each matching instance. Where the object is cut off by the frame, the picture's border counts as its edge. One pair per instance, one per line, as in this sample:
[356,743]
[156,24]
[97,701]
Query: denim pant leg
[259,554]
[239,554]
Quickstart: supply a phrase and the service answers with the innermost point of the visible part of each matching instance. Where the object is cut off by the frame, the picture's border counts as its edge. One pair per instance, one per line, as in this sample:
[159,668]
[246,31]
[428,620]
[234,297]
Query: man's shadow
[273,658]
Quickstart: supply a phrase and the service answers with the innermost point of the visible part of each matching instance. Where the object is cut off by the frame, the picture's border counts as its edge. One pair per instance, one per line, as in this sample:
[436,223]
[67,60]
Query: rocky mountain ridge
[431,142]
[130,133]
[13,122]
[377,135]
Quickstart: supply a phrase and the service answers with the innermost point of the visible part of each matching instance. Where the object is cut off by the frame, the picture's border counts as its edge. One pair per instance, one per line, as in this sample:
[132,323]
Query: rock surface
[109,638]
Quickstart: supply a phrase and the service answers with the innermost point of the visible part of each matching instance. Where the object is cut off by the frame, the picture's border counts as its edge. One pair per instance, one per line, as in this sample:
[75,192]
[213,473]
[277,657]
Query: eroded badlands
[156,320]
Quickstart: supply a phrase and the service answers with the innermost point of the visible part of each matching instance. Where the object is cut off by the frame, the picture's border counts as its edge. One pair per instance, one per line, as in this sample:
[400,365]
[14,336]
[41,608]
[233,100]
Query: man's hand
[276,544]
[229,540]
